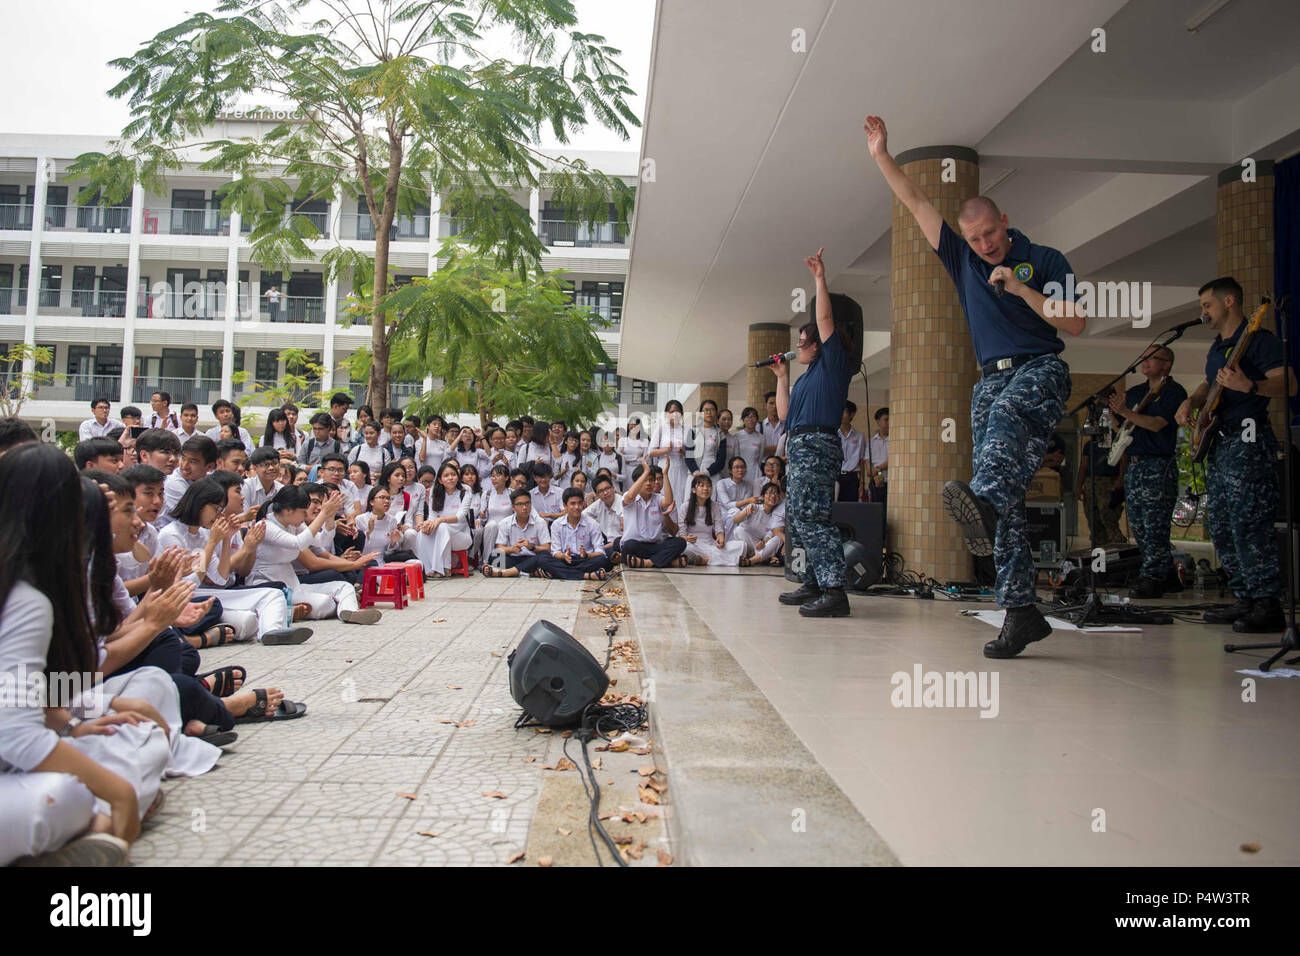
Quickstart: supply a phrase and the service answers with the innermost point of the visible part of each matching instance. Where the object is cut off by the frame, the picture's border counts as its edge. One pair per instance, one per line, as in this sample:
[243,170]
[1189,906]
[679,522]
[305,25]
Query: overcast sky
[55,66]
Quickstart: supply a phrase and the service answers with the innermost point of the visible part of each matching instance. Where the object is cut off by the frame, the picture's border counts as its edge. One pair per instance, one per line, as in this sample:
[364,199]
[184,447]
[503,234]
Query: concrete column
[232,306]
[534,208]
[132,281]
[714,390]
[765,338]
[932,372]
[34,262]
[1244,229]
[435,227]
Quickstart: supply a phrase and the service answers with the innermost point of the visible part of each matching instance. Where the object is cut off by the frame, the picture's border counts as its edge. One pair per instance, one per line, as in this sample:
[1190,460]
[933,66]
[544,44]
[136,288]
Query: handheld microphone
[999,286]
[773,359]
[1184,326]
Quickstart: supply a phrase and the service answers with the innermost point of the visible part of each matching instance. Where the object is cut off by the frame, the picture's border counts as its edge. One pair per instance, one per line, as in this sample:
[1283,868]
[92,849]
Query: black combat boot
[801,595]
[1265,617]
[978,520]
[1147,588]
[1229,615]
[1023,626]
[833,602]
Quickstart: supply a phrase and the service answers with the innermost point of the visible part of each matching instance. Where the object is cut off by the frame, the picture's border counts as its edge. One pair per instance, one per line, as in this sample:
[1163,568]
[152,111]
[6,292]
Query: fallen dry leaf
[439,620]
[640,750]
[567,734]
[494,653]
[1250,848]
[605,816]
[545,861]
[626,816]
[454,687]
[636,851]
[623,840]
[542,730]
[408,796]
[467,723]
[448,721]
[641,817]
[562,831]
[657,785]
[515,857]
[564,763]
[595,764]
[609,783]
[618,746]
[665,859]
[645,771]
[530,760]
[425,833]
[648,796]
[495,794]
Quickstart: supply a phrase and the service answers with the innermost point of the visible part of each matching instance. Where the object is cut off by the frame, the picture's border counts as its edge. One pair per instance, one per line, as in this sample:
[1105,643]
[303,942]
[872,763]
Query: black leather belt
[1015,361]
[802,429]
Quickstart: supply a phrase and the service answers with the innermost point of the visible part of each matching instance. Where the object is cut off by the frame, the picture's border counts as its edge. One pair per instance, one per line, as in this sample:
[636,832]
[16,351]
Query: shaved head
[977,207]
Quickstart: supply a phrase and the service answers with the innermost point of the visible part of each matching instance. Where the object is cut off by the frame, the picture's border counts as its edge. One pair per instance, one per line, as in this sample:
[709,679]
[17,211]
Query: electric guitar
[1207,422]
[1125,436]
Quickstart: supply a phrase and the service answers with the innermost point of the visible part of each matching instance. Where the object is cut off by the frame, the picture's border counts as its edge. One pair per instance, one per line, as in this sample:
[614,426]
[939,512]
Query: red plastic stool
[460,563]
[387,584]
[414,577]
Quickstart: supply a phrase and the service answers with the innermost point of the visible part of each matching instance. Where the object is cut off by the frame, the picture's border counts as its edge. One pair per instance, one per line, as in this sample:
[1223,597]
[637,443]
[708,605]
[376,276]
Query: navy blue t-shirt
[1165,405]
[1006,326]
[1095,463]
[818,397]
[1263,354]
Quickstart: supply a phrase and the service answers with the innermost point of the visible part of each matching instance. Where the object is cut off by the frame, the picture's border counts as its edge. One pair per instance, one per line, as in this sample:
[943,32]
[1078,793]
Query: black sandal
[220,640]
[287,710]
[214,735]
[223,679]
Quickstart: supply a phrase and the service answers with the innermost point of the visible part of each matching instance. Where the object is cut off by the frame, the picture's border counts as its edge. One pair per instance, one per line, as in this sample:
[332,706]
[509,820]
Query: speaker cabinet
[553,677]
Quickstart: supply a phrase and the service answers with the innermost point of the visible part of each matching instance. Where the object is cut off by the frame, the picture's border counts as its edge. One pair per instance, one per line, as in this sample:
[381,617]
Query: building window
[267,371]
[643,393]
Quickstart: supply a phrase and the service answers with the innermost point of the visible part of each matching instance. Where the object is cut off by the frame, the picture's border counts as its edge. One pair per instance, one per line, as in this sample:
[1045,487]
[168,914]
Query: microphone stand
[1093,611]
[1289,643]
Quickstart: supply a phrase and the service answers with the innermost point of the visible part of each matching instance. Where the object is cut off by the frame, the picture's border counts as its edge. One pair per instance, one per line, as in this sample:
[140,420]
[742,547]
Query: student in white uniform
[280,435]
[704,443]
[314,449]
[189,422]
[57,785]
[521,540]
[496,453]
[262,486]
[101,424]
[608,457]
[493,508]
[286,537]
[762,528]
[706,528]
[202,528]
[432,449]
[370,451]
[225,413]
[588,455]
[749,442]
[412,492]
[547,503]
[666,446]
[577,546]
[567,462]
[447,528]
[772,428]
[853,449]
[356,496]
[384,525]
[607,512]
[537,449]
[646,541]
[632,448]
[736,490]
[198,458]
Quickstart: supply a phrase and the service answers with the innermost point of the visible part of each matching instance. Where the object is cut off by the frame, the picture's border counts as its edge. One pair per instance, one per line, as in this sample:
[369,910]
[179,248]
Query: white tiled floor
[1149,728]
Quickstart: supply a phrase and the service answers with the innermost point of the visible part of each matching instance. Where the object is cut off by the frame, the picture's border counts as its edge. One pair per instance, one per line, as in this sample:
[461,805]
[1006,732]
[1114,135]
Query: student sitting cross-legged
[646,541]
[577,545]
[707,529]
[520,540]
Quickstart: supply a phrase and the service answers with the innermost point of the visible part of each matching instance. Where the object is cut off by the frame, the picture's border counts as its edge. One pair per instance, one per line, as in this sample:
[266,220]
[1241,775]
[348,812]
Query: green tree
[18,386]
[300,384]
[502,344]
[395,97]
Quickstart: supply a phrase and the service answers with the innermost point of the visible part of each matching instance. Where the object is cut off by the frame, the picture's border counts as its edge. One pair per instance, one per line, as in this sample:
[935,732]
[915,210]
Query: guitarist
[1151,479]
[1240,481]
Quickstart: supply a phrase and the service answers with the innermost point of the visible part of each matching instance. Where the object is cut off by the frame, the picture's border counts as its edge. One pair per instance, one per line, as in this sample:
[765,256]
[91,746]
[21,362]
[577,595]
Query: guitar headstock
[1257,319]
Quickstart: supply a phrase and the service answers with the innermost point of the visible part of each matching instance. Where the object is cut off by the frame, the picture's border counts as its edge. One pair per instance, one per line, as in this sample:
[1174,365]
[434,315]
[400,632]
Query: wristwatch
[67,729]
[1254,388]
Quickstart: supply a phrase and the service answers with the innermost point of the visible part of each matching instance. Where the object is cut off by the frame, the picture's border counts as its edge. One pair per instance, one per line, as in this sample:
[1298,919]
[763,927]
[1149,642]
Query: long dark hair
[101,562]
[43,546]
[476,485]
[290,436]
[288,498]
[708,505]
[386,475]
[439,496]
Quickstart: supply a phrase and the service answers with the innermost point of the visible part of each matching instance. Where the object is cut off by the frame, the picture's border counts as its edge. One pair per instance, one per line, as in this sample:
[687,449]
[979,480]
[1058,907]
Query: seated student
[279,435]
[412,424]
[131,416]
[413,490]
[160,448]
[138,639]
[736,491]
[198,458]
[580,481]
[189,423]
[762,527]
[518,479]
[52,790]
[333,469]
[547,503]
[493,507]
[706,528]
[469,480]
[98,454]
[608,458]
[645,540]
[227,414]
[101,424]
[321,442]
[287,474]
[773,471]
[384,526]
[370,451]
[208,539]
[393,480]
[607,512]
[287,535]
[228,431]
[359,477]
[231,457]
[263,485]
[146,484]
[567,459]
[577,546]
[496,453]
[520,541]
[387,418]
[318,562]
[14,432]
[447,528]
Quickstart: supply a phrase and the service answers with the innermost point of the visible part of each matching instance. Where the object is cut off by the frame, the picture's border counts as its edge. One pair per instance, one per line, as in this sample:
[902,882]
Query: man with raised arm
[1000,276]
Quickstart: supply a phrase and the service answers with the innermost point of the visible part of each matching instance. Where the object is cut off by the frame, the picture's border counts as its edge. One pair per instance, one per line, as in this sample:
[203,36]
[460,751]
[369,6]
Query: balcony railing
[399,392]
[209,304]
[294,308]
[449,226]
[15,216]
[200,391]
[72,218]
[99,302]
[80,388]
[185,222]
[557,232]
[354,226]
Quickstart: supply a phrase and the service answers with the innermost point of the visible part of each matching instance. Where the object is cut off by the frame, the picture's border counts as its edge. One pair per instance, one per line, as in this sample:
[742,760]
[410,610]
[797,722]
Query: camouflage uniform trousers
[1103,520]
[815,459]
[1242,489]
[1013,414]
[1150,491]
